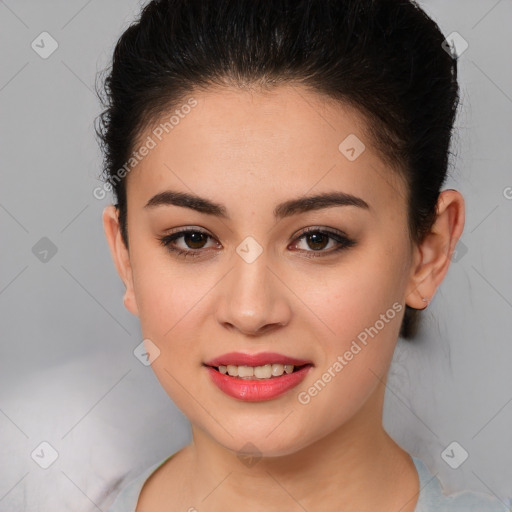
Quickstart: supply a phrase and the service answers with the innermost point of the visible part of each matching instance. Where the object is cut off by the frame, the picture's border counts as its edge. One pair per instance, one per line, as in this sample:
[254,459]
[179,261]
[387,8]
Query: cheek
[364,314]
[169,303]
[360,305]
[351,298]
[167,293]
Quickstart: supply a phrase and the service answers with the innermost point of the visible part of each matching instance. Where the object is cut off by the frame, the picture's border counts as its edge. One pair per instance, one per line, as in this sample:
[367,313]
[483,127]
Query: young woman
[279,222]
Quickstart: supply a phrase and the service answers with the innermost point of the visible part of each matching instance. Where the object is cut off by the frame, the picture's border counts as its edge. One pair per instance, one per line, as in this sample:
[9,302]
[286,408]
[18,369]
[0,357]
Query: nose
[253,300]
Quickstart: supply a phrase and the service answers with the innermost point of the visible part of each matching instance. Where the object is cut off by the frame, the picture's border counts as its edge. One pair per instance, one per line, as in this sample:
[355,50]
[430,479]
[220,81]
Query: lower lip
[257,390]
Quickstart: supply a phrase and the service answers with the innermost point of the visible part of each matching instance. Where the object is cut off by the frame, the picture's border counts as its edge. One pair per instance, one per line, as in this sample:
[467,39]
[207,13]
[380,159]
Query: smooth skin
[250,151]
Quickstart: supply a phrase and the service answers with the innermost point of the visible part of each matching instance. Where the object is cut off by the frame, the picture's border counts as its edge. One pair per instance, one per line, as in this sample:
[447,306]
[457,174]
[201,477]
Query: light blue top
[431,497]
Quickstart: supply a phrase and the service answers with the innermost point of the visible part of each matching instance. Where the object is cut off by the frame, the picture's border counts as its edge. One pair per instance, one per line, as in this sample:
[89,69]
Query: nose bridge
[252,298]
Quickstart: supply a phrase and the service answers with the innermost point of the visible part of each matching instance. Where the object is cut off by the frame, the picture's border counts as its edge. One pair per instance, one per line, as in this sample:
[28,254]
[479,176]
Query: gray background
[68,374]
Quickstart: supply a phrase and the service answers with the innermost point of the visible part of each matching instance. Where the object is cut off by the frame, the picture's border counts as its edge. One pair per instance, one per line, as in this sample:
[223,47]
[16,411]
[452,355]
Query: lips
[256,390]
[241,359]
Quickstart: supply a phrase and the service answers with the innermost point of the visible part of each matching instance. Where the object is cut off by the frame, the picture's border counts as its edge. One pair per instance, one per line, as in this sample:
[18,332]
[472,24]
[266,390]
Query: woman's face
[251,282]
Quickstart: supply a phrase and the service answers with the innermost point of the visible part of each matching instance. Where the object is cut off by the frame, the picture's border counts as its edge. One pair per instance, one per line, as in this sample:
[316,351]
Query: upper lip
[261,359]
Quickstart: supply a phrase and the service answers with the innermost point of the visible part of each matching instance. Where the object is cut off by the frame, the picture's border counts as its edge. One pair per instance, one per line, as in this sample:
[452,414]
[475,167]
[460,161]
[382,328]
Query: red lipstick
[256,390]
[241,359]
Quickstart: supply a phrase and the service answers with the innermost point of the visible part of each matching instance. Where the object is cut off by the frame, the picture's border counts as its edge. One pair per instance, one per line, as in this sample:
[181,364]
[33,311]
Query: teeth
[232,370]
[266,371]
[245,371]
[263,372]
[277,370]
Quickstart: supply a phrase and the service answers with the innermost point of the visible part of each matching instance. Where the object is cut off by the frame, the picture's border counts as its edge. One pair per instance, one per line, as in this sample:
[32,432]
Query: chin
[263,440]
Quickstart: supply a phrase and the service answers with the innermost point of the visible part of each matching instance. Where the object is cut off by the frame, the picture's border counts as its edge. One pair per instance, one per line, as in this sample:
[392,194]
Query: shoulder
[127,499]
[432,498]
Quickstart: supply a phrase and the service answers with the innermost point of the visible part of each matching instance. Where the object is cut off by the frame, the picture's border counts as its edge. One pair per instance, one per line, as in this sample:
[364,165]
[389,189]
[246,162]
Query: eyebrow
[282,210]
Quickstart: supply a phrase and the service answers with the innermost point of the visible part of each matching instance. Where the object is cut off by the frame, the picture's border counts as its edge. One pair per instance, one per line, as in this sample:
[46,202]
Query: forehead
[278,143]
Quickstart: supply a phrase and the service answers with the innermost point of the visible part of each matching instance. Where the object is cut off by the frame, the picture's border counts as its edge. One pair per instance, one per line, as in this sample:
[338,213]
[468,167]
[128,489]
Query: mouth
[262,372]
[255,360]
[256,377]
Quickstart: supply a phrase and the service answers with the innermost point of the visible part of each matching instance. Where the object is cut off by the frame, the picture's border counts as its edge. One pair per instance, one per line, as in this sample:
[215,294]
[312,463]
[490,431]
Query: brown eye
[317,240]
[193,239]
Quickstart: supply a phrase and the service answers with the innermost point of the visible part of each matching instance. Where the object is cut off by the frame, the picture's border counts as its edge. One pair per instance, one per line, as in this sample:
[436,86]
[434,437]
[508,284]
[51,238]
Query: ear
[120,255]
[432,257]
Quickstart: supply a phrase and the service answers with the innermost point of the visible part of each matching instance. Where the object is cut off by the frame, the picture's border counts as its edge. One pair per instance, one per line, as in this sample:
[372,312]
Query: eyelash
[340,237]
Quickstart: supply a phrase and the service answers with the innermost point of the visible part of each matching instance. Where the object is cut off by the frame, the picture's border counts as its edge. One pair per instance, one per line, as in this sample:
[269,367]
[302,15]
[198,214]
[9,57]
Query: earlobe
[120,256]
[432,257]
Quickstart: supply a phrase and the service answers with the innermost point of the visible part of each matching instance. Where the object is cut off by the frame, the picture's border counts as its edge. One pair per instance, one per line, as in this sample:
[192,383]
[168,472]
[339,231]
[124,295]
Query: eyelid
[302,232]
[322,229]
[340,237]
[343,240]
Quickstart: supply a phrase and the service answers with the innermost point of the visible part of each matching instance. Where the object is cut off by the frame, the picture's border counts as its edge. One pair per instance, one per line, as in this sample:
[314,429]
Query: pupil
[196,239]
[315,237]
